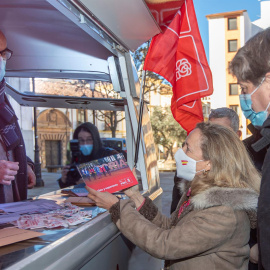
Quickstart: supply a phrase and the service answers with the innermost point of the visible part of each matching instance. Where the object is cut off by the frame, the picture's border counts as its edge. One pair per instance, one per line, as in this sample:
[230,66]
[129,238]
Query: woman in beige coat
[211,225]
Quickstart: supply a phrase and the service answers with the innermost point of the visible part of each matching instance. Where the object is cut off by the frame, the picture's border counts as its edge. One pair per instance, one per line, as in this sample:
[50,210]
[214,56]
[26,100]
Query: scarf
[8,128]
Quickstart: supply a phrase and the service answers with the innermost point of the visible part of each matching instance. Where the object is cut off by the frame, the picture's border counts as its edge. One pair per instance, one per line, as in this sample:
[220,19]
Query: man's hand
[8,170]
[31,177]
[102,199]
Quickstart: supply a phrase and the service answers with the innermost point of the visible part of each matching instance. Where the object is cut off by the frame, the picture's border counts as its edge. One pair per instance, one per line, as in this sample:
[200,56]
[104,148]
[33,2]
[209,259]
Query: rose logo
[183,68]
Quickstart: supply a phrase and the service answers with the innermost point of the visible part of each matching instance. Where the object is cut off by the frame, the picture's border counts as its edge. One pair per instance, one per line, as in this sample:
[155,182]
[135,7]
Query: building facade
[228,32]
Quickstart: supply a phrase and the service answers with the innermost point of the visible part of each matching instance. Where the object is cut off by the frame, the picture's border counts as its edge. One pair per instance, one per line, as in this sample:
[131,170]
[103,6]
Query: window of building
[235,108]
[233,88]
[232,23]
[232,45]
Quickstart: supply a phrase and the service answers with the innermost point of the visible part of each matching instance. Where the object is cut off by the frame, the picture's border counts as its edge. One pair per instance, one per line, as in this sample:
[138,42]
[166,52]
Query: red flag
[178,56]
[164,11]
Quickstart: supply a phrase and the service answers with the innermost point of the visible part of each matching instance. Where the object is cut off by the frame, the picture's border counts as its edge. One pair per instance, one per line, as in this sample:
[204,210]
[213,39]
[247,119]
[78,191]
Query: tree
[166,130]
[153,81]
[111,119]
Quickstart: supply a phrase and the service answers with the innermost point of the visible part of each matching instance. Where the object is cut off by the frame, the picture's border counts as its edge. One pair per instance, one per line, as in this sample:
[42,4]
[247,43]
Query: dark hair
[226,112]
[97,144]
[252,61]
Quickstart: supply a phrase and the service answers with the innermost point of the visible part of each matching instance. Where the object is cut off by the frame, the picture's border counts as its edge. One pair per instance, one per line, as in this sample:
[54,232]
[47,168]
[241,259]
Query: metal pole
[138,138]
[37,165]
[85,116]
[92,87]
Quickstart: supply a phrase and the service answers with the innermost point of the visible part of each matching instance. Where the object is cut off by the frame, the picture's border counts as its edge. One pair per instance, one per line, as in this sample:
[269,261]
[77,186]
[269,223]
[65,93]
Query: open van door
[84,40]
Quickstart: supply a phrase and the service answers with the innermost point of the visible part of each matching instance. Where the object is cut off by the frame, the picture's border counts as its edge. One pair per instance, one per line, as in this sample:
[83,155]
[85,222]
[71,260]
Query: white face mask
[185,166]
[2,68]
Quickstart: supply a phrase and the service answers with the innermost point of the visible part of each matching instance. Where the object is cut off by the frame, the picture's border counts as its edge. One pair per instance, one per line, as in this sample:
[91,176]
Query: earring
[205,172]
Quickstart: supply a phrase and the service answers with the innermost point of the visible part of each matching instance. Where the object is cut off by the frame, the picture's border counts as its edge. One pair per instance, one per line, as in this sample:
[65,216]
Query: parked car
[119,144]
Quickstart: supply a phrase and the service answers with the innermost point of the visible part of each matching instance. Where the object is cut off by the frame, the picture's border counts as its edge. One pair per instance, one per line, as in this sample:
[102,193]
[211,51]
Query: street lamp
[37,165]
[92,88]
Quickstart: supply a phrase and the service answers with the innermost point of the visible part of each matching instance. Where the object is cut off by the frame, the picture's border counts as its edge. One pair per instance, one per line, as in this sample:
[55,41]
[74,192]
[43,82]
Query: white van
[89,40]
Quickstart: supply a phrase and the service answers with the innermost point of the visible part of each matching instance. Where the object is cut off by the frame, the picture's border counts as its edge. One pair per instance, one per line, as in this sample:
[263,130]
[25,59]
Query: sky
[206,7]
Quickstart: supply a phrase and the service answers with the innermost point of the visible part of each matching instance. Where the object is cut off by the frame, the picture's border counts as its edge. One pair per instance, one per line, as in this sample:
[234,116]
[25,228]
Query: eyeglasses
[6,54]
[87,141]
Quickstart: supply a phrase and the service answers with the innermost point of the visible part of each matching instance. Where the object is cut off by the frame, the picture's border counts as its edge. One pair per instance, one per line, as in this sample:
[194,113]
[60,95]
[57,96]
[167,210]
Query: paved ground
[166,182]
[50,184]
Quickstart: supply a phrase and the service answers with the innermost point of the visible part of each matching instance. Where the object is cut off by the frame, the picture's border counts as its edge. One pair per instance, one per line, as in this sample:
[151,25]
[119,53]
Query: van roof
[43,33]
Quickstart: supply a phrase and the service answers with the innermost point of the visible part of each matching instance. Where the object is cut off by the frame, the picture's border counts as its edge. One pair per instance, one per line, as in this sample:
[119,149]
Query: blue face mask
[86,149]
[256,118]
[2,68]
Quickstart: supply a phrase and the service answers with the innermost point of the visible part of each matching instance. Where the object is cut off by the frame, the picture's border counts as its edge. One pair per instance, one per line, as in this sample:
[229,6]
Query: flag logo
[184,162]
[183,68]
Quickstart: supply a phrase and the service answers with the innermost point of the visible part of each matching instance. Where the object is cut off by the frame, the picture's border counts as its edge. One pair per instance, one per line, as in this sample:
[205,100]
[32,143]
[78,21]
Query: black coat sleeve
[264,214]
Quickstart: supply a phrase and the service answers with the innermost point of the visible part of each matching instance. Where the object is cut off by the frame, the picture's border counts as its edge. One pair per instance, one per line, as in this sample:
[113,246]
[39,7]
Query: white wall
[264,21]
[217,61]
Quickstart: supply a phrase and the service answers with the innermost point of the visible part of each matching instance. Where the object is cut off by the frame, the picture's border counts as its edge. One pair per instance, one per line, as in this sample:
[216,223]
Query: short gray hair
[252,61]
[226,112]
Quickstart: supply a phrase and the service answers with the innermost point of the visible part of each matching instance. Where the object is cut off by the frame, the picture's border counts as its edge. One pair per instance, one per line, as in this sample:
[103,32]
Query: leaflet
[109,174]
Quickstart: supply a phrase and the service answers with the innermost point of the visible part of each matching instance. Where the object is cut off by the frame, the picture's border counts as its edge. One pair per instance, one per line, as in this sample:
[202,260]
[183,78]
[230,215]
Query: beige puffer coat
[211,233]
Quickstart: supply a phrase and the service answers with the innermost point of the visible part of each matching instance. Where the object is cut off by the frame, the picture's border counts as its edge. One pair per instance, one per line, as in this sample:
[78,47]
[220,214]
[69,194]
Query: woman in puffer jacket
[211,225]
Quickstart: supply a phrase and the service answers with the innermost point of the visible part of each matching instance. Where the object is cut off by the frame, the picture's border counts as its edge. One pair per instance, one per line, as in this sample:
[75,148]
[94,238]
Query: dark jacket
[256,156]
[258,159]
[264,198]
[19,186]
[99,151]
[176,193]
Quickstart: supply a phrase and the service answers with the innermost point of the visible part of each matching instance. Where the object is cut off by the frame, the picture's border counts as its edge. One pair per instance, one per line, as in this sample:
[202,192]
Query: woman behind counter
[91,148]
[211,225]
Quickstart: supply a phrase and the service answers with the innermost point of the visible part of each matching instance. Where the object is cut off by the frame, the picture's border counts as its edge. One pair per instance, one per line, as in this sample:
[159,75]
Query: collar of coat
[237,198]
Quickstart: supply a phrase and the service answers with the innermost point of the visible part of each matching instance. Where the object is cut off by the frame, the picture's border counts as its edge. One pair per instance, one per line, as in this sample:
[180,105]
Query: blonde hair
[231,165]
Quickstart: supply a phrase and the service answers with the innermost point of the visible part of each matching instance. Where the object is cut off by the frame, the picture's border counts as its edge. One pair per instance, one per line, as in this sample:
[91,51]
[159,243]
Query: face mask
[256,118]
[186,166]
[86,149]
[2,68]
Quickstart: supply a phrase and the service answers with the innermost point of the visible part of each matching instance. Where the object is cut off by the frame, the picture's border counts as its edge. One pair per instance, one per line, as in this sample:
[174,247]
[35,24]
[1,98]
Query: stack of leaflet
[12,211]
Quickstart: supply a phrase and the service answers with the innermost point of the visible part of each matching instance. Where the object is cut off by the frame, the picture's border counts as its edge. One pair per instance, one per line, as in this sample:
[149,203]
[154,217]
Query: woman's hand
[131,192]
[102,199]
[254,254]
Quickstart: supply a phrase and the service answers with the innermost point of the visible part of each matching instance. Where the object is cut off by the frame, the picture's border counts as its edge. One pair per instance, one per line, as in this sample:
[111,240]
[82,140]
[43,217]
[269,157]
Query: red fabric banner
[178,55]
[164,11]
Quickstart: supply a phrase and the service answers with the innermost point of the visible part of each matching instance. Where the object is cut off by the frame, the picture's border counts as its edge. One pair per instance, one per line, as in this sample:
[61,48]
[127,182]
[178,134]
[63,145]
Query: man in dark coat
[251,67]
[257,157]
[16,174]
